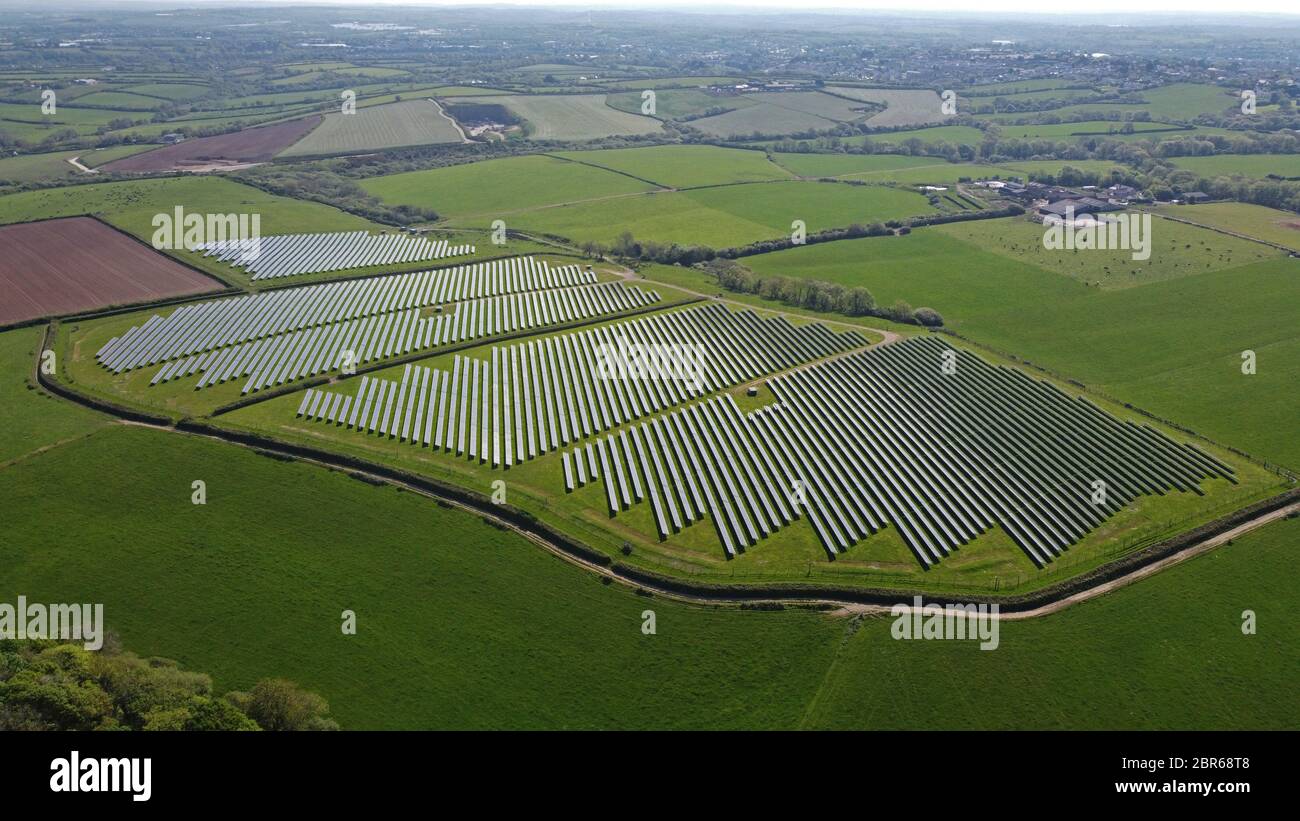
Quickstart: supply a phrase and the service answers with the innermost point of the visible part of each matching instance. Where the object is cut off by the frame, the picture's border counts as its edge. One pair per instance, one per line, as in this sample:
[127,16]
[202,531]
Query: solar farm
[277,337]
[928,440]
[296,254]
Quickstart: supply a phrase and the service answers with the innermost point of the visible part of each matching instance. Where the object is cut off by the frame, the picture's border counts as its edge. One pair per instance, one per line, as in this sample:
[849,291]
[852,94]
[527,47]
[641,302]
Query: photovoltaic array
[276,337]
[286,255]
[886,436]
[533,397]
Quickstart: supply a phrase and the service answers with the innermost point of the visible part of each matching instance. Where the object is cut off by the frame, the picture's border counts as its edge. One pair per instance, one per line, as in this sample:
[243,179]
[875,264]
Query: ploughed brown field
[78,264]
[250,145]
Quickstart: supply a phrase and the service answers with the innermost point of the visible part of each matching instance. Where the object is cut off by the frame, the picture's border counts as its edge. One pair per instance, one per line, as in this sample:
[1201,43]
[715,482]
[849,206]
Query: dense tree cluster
[45,685]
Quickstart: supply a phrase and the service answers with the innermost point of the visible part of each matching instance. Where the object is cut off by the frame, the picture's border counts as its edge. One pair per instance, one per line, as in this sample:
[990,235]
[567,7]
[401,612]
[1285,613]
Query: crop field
[246,146]
[492,188]
[902,106]
[1245,165]
[764,118]
[1130,342]
[395,125]
[1268,224]
[572,117]
[725,216]
[64,266]
[675,103]
[684,166]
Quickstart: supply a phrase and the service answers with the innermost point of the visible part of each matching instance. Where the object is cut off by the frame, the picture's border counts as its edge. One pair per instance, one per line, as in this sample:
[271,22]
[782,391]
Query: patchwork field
[493,188]
[54,165]
[684,166]
[68,265]
[675,103]
[902,106]
[723,216]
[395,125]
[572,117]
[853,165]
[245,146]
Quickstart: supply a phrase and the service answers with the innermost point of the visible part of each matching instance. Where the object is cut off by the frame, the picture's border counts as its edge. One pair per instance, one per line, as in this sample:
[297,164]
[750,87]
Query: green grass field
[684,166]
[34,419]
[473,627]
[501,187]
[1269,224]
[765,118]
[1245,165]
[412,122]
[1177,250]
[572,117]
[1167,653]
[853,165]
[55,166]
[724,216]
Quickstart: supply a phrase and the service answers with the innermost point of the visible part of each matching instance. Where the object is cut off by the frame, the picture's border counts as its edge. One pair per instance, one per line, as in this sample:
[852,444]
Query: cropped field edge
[1038,602]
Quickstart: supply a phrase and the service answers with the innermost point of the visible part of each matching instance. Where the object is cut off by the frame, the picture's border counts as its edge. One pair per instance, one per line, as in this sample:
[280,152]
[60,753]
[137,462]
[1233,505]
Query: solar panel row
[299,354]
[203,326]
[286,255]
[885,436]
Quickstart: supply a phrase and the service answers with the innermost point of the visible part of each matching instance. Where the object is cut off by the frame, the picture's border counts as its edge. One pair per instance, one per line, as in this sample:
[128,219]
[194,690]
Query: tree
[279,704]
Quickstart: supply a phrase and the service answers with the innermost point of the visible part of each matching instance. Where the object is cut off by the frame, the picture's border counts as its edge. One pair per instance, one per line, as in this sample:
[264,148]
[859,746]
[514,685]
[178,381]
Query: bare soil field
[211,153]
[78,264]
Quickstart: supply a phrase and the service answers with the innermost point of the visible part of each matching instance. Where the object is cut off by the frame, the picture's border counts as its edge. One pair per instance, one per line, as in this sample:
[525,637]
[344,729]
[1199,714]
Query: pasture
[572,117]
[723,216]
[1243,165]
[1268,224]
[492,188]
[394,125]
[683,166]
[54,165]
[34,419]
[1177,250]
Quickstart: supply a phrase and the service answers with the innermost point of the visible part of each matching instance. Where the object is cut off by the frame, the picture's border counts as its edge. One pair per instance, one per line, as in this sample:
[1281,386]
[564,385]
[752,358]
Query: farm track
[1054,599]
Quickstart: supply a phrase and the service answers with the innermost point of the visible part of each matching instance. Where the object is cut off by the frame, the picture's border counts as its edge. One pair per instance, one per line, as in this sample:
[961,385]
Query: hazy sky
[1119,8]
